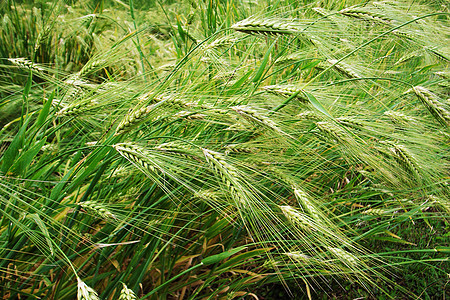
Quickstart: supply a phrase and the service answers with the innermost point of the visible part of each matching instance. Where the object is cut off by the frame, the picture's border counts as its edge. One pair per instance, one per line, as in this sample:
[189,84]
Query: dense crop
[213,149]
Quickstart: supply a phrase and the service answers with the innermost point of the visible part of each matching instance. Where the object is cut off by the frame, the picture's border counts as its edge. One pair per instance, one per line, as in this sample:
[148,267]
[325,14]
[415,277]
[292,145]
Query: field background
[224,149]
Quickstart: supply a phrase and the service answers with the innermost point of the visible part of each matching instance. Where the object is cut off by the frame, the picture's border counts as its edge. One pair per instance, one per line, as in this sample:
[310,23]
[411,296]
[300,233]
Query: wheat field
[224,149]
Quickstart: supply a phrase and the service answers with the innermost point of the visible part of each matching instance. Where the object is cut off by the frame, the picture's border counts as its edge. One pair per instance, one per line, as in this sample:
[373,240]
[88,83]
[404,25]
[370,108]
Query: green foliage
[223,149]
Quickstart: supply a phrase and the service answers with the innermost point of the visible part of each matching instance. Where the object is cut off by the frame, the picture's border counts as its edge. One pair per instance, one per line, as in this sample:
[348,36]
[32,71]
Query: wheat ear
[75,108]
[398,117]
[344,256]
[350,122]
[126,293]
[265,27]
[309,115]
[85,292]
[238,148]
[138,156]
[343,68]
[26,64]
[331,131]
[432,103]
[362,14]
[404,158]
[227,173]
[288,91]
[133,119]
[297,218]
[253,116]
[98,209]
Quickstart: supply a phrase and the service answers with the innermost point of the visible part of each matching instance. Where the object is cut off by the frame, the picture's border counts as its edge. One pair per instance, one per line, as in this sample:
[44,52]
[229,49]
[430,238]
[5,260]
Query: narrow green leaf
[21,164]
[262,67]
[317,104]
[221,256]
[13,150]
[238,259]
[180,30]
[44,111]
[238,84]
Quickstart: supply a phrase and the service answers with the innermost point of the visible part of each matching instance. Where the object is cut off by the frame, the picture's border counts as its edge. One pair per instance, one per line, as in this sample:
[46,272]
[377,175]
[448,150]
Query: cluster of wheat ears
[207,150]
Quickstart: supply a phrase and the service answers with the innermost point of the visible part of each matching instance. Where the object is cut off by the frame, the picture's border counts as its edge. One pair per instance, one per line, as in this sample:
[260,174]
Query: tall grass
[212,149]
